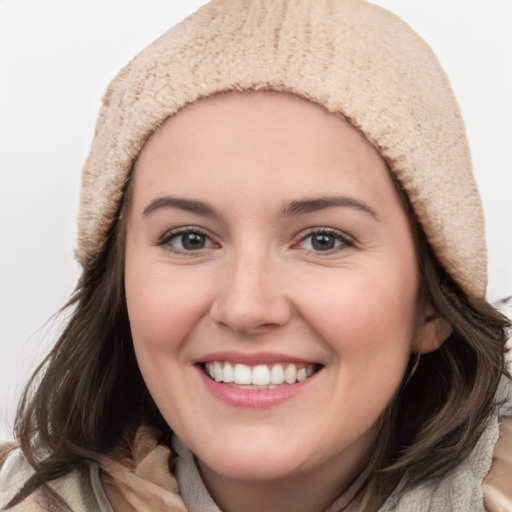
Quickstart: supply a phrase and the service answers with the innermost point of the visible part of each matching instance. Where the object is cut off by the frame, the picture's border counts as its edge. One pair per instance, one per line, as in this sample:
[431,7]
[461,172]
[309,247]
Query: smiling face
[267,248]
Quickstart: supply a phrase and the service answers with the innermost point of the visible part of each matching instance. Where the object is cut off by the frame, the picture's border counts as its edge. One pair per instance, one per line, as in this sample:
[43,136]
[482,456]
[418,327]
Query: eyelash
[343,240]
[330,232]
[166,240]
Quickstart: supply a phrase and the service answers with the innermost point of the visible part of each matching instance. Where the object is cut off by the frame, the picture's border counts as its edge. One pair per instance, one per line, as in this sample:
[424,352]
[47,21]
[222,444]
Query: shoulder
[81,491]
[482,482]
[14,473]
[497,486]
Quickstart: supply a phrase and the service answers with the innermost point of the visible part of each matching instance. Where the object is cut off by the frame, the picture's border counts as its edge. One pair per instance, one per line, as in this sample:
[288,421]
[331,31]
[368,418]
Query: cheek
[367,318]
[163,307]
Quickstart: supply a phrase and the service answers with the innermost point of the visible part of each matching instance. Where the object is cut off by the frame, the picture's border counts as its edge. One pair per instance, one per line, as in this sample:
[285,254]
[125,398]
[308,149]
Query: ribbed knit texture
[347,55]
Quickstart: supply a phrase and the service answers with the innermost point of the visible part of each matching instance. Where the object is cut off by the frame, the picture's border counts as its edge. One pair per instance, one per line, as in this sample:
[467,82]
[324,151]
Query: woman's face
[265,241]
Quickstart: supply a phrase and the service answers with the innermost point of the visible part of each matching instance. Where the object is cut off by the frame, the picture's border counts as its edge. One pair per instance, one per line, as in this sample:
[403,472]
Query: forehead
[264,115]
[260,142]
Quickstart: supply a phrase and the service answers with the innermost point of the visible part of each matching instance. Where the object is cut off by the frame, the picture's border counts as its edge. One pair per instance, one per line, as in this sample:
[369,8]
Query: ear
[433,330]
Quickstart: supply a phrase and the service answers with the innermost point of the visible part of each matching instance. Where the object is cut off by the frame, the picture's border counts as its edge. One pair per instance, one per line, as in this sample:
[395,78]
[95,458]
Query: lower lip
[254,398]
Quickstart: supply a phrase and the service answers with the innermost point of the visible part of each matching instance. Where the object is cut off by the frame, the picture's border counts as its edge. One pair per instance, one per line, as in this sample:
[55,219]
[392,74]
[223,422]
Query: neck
[309,492]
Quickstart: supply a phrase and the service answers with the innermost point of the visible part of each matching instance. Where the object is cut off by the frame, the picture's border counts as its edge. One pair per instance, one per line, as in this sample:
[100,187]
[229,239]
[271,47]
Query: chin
[252,463]
[253,471]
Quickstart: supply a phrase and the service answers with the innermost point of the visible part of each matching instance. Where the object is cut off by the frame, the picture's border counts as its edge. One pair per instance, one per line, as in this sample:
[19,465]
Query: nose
[251,297]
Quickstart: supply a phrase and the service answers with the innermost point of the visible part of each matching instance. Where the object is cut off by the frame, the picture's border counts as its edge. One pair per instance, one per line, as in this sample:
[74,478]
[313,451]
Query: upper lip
[252,359]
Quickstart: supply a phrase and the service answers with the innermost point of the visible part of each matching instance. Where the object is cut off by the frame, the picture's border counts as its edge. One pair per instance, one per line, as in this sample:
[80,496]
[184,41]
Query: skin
[259,284]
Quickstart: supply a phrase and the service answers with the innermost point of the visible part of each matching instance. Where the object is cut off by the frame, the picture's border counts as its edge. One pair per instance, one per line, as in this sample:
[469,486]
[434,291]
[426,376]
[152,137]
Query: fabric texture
[349,56]
[144,482]
[497,486]
[81,492]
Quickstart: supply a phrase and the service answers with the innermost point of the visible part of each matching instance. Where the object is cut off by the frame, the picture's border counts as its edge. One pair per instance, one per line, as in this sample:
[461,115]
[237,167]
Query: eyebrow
[310,205]
[291,208]
[189,205]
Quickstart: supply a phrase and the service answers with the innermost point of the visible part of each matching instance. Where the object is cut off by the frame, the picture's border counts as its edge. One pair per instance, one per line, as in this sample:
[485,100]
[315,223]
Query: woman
[280,306]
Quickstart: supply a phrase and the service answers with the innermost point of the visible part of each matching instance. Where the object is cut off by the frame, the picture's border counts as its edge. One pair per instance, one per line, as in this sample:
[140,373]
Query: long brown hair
[88,396]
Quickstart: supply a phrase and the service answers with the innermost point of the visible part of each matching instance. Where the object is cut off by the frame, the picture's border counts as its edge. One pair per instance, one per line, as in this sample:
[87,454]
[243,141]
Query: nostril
[247,313]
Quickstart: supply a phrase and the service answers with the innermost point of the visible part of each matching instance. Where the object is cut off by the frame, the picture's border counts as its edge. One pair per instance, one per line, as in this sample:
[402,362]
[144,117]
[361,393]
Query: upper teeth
[260,375]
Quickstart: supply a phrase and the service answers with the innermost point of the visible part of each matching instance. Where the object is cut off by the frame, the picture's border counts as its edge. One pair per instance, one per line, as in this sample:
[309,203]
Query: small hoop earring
[412,370]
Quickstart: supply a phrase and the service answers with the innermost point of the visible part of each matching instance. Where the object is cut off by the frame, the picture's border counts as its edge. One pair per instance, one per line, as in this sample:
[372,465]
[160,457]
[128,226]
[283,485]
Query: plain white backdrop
[56,59]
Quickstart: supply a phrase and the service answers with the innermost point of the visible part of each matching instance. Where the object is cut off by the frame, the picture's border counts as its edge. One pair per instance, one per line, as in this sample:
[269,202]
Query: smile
[267,376]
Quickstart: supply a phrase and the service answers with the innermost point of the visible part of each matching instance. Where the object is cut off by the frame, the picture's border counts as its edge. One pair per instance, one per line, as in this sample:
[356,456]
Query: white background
[56,59]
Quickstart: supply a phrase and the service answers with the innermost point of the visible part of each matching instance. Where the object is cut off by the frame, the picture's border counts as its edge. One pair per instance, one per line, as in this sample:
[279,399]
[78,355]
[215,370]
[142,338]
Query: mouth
[259,376]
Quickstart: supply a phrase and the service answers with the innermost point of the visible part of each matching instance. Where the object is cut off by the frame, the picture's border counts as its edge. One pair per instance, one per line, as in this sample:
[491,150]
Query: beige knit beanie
[347,55]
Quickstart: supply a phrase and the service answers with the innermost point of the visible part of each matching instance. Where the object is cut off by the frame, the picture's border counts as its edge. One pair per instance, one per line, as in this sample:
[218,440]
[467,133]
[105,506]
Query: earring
[412,371]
